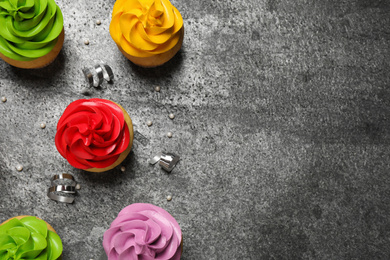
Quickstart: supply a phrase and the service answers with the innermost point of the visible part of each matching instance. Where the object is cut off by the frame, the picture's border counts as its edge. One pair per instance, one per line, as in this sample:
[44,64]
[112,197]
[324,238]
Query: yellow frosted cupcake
[147,32]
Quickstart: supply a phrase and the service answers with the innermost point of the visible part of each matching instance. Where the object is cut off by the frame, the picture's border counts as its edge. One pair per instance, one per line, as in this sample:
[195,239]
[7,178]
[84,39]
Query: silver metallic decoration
[57,191]
[167,161]
[102,71]
[63,188]
[141,138]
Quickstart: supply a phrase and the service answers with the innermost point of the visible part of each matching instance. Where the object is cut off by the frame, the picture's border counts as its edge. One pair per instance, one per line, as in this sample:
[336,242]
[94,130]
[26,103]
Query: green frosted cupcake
[31,32]
[27,237]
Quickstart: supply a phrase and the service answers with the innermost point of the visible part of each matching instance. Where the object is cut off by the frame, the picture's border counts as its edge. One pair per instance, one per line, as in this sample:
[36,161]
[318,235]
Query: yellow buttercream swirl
[143,28]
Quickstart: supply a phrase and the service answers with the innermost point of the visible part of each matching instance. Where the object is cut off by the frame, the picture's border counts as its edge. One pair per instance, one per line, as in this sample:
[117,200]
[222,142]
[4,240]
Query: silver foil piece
[63,176]
[102,71]
[62,192]
[60,198]
[140,138]
[167,161]
[63,188]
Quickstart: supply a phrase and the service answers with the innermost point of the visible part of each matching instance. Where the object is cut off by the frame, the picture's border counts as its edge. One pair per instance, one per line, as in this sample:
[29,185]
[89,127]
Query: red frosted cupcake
[94,135]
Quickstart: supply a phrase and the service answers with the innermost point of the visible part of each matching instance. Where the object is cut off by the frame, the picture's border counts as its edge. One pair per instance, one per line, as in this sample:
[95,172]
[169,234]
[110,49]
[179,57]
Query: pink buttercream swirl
[143,231]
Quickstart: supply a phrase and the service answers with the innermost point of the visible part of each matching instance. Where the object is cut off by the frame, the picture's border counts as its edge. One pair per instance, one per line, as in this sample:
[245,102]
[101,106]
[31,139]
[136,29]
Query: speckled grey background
[282,122]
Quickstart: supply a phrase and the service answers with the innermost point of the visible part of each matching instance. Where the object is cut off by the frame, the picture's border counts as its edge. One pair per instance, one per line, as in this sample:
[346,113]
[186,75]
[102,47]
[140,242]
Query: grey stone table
[282,121]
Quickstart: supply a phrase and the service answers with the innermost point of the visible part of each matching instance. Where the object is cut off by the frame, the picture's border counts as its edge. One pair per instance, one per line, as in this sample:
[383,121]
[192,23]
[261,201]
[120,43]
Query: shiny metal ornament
[141,138]
[58,191]
[167,161]
[63,188]
[102,71]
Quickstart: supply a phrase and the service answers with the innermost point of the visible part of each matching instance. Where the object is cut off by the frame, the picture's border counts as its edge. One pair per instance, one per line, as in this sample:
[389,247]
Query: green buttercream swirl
[29,29]
[28,238]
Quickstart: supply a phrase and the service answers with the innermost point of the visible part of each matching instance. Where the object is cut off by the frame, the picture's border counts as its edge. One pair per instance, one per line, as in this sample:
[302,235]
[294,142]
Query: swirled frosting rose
[28,238]
[143,231]
[143,28]
[29,29]
[92,133]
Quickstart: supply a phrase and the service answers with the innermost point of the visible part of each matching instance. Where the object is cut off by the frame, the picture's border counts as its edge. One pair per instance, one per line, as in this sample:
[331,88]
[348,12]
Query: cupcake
[94,135]
[147,32]
[31,32]
[27,237]
[143,231]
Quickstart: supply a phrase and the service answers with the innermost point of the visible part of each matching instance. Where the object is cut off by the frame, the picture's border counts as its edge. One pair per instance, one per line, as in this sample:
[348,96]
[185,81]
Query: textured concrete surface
[282,122]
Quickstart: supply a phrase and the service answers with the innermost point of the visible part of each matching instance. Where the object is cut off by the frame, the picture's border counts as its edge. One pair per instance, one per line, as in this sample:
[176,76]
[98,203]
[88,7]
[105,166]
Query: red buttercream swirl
[92,133]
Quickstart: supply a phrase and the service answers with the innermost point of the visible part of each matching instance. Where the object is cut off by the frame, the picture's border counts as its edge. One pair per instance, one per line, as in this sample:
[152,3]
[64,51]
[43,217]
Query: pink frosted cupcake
[143,231]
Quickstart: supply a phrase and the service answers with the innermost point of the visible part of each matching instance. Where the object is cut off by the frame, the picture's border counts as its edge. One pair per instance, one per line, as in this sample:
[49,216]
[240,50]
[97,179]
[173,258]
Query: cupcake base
[158,59]
[126,152]
[49,227]
[39,62]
